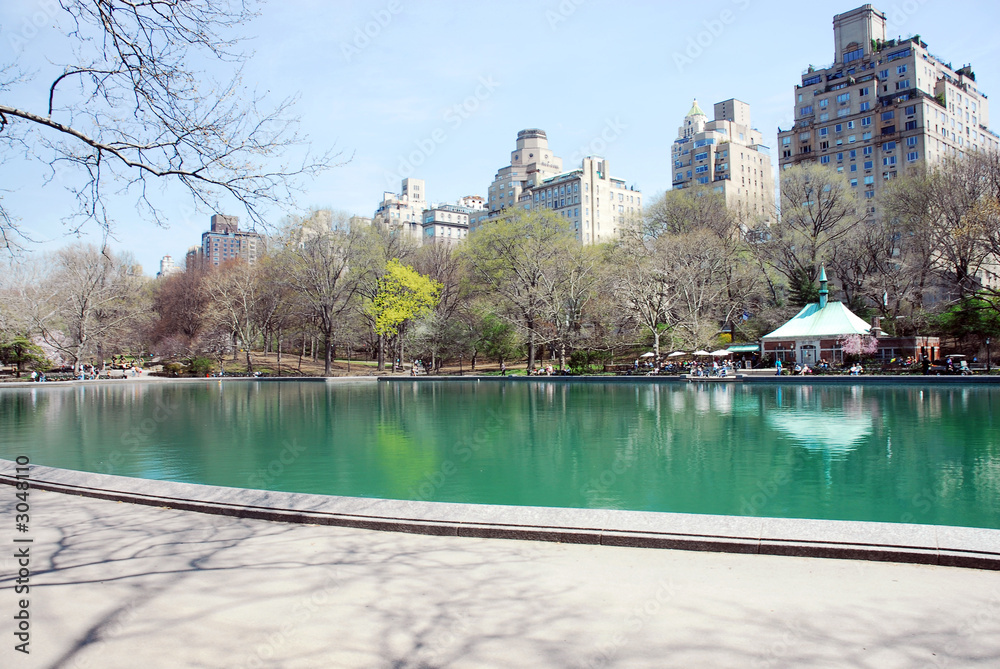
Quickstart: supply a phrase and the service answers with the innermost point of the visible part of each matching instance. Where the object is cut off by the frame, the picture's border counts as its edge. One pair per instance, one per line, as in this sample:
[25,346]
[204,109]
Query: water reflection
[832,431]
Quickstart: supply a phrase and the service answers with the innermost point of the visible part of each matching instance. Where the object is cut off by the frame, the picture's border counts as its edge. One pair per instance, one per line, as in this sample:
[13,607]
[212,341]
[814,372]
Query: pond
[914,454]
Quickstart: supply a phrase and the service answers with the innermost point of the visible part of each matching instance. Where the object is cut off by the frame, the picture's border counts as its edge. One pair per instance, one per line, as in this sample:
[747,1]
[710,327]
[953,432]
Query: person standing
[777,367]
[925,364]
[34,376]
[503,369]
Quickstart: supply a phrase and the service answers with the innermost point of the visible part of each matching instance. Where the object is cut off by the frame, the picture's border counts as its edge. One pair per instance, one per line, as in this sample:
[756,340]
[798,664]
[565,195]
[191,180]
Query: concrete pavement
[122,585]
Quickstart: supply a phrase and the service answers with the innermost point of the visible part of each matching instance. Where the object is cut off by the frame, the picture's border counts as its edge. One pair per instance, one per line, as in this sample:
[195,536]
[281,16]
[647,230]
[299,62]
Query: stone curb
[881,542]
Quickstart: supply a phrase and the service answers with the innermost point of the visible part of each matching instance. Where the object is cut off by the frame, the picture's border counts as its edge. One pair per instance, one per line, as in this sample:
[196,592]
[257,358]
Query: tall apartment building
[596,205]
[404,211]
[167,267]
[225,241]
[727,155]
[884,107]
[531,162]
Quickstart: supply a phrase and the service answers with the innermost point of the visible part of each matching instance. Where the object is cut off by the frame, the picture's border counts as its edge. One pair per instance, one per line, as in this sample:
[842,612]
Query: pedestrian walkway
[121,585]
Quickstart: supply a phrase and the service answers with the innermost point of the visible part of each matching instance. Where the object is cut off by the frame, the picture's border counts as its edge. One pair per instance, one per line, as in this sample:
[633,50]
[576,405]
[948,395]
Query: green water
[915,454]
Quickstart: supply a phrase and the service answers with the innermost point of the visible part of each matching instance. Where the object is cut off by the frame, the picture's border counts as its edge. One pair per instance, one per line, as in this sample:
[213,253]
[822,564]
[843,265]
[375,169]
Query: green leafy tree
[404,294]
[21,352]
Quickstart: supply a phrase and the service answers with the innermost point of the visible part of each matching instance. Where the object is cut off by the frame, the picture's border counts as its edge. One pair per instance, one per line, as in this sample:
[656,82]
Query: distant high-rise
[167,267]
[884,107]
[404,211]
[596,205]
[727,155]
[225,241]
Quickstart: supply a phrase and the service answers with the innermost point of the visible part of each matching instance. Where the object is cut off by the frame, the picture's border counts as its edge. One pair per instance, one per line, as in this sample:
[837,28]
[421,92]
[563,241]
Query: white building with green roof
[813,333]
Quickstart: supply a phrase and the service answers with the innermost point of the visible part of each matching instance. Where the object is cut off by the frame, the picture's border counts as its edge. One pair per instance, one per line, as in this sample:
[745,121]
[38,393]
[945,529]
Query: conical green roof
[832,320]
[696,110]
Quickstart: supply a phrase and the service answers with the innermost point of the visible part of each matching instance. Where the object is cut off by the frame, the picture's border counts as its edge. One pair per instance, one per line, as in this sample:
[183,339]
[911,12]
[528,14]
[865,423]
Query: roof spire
[695,109]
[823,292]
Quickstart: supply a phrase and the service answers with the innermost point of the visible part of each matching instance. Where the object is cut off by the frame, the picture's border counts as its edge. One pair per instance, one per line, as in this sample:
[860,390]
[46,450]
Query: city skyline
[398,85]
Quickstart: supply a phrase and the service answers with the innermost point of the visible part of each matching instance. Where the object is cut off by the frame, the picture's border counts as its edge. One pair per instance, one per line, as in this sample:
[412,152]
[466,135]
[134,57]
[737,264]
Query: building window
[806,111]
[889,146]
[824,159]
[839,127]
[869,164]
[902,85]
[865,106]
[911,141]
[912,156]
[901,69]
[888,116]
[889,161]
[883,74]
[843,98]
[823,104]
[854,182]
[869,181]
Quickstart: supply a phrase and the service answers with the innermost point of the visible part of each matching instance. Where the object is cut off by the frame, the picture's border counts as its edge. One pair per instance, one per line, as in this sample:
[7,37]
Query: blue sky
[438,90]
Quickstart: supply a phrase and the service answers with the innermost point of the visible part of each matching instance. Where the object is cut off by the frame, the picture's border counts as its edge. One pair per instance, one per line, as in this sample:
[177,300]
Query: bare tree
[132,109]
[819,210]
[324,260]
[234,293]
[88,298]
[510,257]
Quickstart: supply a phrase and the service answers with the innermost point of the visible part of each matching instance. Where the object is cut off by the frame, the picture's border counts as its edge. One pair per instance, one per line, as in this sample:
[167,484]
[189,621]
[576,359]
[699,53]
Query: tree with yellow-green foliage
[403,294]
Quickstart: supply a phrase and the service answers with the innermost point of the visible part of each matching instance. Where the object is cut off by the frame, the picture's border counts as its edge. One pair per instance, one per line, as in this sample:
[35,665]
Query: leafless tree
[324,261]
[86,300]
[137,107]
[819,210]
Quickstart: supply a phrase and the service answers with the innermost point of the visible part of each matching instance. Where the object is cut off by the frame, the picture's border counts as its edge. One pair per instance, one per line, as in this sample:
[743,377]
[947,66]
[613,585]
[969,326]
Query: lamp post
[987,355]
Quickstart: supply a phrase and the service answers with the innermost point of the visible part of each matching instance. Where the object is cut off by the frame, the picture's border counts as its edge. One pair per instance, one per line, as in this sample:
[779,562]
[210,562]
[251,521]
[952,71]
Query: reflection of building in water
[831,432]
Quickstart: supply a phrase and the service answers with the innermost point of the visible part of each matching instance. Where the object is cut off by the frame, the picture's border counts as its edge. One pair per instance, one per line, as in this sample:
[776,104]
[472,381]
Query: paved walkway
[120,585]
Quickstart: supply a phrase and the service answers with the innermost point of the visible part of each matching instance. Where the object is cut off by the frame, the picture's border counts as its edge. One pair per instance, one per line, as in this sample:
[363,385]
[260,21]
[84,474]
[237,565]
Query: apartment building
[727,155]
[596,205]
[884,107]
[405,210]
[225,241]
[446,224]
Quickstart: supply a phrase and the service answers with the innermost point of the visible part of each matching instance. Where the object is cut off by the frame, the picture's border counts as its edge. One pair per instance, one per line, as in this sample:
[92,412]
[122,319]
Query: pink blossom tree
[858,345]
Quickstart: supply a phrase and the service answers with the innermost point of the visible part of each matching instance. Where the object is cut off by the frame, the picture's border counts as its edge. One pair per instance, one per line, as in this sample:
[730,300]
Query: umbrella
[701,353]
[647,355]
[676,353]
[721,352]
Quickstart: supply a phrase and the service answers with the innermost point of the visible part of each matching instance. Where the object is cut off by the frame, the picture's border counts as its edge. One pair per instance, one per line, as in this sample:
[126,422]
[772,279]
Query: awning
[744,348]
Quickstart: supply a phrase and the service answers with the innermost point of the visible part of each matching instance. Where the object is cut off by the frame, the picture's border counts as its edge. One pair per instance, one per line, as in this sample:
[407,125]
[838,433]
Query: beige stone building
[447,223]
[884,107]
[404,211]
[595,204]
[727,155]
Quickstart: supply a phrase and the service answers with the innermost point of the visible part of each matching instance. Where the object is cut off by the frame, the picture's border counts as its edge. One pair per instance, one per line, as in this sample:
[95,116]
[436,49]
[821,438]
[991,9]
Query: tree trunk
[531,346]
[562,357]
[656,343]
[302,352]
[381,353]
[279,351]
[474,354]
[249,363]
[328,358]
